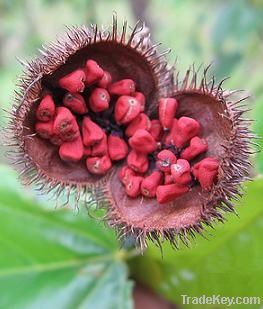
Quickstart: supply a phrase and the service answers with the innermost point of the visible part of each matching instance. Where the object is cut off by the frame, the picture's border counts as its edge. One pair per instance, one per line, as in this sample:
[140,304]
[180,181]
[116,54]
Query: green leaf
[229,263]
[57,259]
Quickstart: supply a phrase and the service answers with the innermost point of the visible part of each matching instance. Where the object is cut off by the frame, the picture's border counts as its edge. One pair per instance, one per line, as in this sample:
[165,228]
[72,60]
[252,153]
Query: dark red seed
[44,129]
[126,109]
[150,183]
[46,109]
[99,100]
[181,172]
[167,111]
[133,186]
[197,146]
[74,81]
[142,121]
[142,141]
[93,72]
[168,193]
[105,81]
[100,148]
[98,165]
[75,102]
[122,87]
[117,148]
[138,161]
[165,159]
[72,151]
[65,124]
[91,132]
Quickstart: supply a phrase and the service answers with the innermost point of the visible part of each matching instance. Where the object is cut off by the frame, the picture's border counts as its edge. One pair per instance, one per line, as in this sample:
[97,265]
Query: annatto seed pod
[77,64]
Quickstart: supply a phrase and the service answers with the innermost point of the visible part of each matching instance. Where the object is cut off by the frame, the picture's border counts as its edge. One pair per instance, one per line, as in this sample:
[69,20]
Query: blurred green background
[63,259]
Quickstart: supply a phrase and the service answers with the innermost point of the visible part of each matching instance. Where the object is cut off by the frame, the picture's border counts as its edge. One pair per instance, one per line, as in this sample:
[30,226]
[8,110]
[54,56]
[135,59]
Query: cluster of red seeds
[101,121]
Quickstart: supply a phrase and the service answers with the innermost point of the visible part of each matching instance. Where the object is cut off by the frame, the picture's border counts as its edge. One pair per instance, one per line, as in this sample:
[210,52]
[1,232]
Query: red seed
[206,172]
[142,121]
[156,129]
[117,148]
[133,186]
[168,193]
[138,161]
[186,129]
[91,132]
[105,81]
[100,148]
[74,81]
[126,109]
[99,100]
[170,137]
[197,146]
[65,124]
[125,173]
[44,129]
[165,159]
[140,98]
[46,109]
[93,72]
[75,102]
[143,142]
[122,87]
[181,172]
[150,183]
[167,111]
[98,165]
[71,151]
[168,179]
[87,151]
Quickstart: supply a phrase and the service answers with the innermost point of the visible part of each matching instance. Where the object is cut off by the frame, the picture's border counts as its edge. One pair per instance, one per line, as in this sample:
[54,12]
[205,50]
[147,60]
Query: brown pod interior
[122,62]
[186,210]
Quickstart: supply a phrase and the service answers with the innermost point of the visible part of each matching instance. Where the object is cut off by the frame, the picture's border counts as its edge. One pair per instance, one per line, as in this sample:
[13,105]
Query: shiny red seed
[46,109]
[186,128]
[71,151]
[142,121]
[156,129]
[99,100]
[168,193]
[44,129]
[105,81]
[165,159]
[133,186]
[117,147]
[206,172]
[138,161]
[126,109]
[65,124]
[91,132]
[125,173]
[167,111]
[140,98]
[197,146]
[75,102]
[98,165]
[150,183]
[93,72]
[122,87]
[143,142]
[181,172]
[74,81]
[100,148]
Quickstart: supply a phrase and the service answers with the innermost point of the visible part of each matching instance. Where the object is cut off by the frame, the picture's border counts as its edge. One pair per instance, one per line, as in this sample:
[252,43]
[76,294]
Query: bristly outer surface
[133,56]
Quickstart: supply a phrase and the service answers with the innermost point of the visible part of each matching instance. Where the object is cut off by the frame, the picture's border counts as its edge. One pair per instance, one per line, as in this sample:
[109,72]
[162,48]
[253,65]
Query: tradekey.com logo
[221,300]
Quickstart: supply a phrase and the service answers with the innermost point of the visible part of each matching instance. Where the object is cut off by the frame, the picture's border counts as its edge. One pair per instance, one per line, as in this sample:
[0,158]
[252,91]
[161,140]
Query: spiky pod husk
[126,53]
[230,141]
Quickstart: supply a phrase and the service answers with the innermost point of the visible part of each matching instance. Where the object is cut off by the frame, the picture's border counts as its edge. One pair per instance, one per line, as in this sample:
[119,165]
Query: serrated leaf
[57,259]
[229,263]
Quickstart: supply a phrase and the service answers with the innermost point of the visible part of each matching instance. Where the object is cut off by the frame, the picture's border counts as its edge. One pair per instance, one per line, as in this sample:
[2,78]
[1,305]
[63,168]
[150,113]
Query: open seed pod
[229,141]
[60,85]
